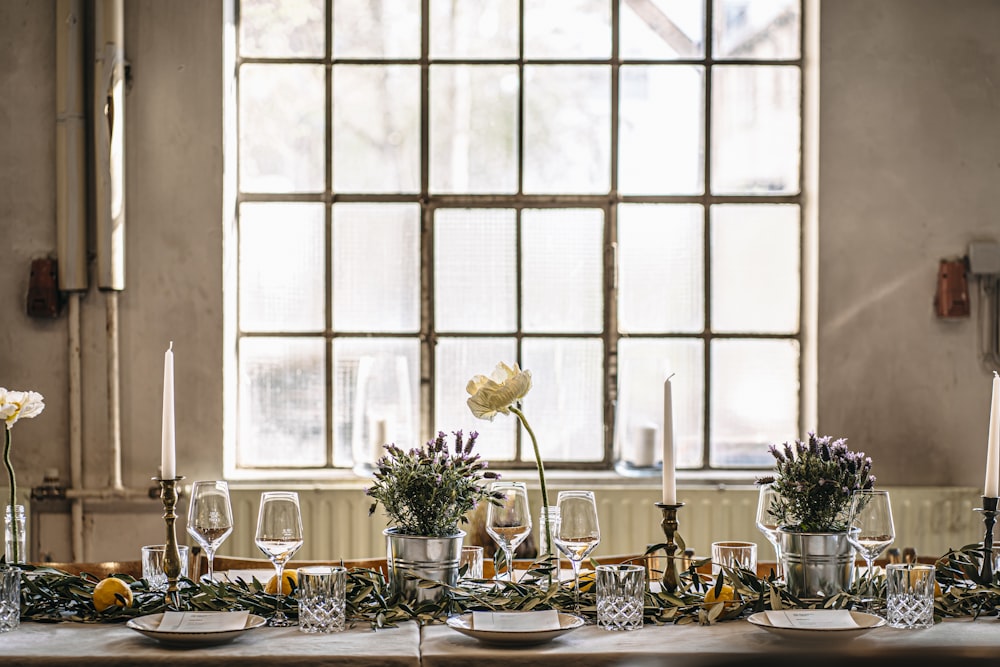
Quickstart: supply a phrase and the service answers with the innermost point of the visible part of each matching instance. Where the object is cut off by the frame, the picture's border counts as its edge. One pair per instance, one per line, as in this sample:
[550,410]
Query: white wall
[909,173]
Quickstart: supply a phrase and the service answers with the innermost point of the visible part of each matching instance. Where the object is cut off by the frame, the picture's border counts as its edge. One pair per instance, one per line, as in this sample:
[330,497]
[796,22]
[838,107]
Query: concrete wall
[909,173]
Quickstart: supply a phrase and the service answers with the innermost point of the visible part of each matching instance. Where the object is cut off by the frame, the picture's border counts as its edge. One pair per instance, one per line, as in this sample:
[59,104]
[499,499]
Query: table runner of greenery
[50,595]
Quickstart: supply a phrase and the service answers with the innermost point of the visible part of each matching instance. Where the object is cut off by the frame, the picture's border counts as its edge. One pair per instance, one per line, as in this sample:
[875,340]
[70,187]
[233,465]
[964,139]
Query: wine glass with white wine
[870,530]
[279,536]
[508,519]
[577,532]
[210,518]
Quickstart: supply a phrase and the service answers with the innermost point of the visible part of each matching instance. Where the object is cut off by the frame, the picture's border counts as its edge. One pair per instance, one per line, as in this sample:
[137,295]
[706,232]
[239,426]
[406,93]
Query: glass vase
[549,515]
[21,535]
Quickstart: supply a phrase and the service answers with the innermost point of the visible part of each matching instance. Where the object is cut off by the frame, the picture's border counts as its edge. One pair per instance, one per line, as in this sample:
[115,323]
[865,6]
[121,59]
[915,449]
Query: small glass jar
[548,515]
[21,535]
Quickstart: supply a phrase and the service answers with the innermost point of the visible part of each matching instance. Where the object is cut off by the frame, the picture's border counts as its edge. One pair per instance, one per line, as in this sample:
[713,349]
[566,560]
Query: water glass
[321,594]
[910,595]
[620,590]
[152,565]
[472,558]
[10,598]
[734,555]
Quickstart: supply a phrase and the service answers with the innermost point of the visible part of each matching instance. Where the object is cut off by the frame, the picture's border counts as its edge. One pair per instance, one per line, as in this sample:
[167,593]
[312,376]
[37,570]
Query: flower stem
[13,492]
[541,477]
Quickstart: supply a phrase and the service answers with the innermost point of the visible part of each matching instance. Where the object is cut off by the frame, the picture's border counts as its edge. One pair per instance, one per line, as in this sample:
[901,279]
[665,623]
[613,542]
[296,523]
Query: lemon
[289,579]
[107,592]
[725,595]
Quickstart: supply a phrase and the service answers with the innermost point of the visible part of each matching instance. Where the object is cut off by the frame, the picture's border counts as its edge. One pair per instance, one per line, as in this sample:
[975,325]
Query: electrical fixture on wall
[984,265]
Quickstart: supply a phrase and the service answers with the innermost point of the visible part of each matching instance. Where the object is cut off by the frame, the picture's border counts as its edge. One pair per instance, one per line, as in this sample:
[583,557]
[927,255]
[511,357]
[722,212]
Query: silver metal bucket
[434,558]
[817,565]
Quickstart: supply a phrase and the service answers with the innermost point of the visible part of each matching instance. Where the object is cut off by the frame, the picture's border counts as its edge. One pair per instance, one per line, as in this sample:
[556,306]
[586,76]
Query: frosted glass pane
[661,140]
[567,29]
[643,367]
[456,361]
[282,28]
[282,406]
[562,270]
[379,379]
[282,274]
[281,145]
[475,270]
[755,399]
[757,29]
[376,267]
[662,29]
[755,129]
[376,28]
[376,128]
[473,129]
[567,129]
[565,406]
[481,29]
[660,268]
[755,268]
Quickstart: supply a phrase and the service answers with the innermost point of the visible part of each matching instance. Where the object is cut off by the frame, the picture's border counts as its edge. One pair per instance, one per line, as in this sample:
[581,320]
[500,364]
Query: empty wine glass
[508,519]
[767,521]
[279,536]
[210,518]
[870,529]
[577,532]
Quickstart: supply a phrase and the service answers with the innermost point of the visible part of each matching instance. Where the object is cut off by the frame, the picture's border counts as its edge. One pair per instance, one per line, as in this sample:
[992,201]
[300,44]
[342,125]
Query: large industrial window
[607,192]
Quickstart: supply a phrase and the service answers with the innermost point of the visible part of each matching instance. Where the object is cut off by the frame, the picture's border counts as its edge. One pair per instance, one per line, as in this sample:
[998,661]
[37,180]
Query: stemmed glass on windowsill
[508,519]
[870,530]
[767,521]
[210,518]
[577,532]
[279,536]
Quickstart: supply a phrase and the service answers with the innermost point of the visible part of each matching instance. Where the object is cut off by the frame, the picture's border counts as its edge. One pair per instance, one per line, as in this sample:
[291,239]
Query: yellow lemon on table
[726,594]
[288,579]
[110,592]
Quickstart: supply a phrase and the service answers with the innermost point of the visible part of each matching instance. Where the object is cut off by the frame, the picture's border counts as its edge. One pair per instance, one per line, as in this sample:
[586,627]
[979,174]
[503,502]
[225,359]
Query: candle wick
[171,348]
[673,374]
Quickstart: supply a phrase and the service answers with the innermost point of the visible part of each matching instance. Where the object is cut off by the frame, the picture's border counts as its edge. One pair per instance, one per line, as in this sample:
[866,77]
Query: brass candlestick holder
[171,554]
[670,580]
[989,510]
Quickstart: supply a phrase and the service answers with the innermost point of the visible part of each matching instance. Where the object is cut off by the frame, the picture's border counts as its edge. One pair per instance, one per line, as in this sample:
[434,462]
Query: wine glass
[767,522]
[279,536]
[508,519]
[870,529]
[577,531]
[210,518]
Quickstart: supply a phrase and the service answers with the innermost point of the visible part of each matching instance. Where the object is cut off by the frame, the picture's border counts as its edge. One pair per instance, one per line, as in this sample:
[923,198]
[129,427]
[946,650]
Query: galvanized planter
[817,565]
[434,558]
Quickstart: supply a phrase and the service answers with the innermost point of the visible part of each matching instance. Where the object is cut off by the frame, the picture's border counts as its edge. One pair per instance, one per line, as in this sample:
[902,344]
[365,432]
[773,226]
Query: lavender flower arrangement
[816,479]
[429,491]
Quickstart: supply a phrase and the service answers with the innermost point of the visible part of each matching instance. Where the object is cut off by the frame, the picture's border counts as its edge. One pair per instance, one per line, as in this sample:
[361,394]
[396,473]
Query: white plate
[149,626]
[865,623]
[463,624]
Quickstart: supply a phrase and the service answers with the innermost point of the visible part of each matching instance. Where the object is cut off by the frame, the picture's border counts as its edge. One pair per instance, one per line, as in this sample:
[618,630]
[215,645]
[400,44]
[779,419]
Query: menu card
[515,621]
[203,621]
[812,619]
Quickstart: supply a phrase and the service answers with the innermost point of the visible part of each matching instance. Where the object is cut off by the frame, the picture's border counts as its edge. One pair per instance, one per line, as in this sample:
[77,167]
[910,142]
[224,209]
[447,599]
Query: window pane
[282,28]
[473,118]
[662,29]
[376,128]
[661,141]
[643,367]
[456,361]
[282,411]
[756,28]
[481,29]
[562,271]
[381,377]
[376,28]
[282,275]
[567,133]
[567,29]
[755,130]
[660,268]
[376,265]
[755,268]
[755,399]
[281,145]
[565,406]
[475,270]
